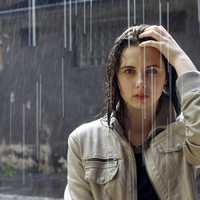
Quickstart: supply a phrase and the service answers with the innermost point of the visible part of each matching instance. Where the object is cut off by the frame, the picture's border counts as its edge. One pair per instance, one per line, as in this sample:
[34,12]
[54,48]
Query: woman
[142,148]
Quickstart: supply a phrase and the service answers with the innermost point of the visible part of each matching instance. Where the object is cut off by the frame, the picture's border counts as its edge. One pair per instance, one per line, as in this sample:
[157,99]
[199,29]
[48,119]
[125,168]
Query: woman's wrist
[183,64]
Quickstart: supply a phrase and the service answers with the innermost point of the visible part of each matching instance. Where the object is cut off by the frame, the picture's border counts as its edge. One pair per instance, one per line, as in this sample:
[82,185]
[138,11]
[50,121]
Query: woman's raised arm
[169,48]
[188,87]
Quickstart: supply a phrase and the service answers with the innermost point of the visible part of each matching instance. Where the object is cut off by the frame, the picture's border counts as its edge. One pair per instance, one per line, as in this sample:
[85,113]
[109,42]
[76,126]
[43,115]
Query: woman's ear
[165,87]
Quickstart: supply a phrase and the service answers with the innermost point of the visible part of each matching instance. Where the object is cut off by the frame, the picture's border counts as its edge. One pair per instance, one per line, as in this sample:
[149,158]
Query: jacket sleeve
[77,187]
[188,90]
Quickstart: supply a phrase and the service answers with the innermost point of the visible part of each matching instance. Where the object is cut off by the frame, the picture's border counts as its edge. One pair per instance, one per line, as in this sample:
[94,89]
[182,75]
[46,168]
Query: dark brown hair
[112,93]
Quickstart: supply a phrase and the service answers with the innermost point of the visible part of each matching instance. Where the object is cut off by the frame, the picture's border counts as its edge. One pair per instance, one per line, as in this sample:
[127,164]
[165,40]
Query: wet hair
[112,92]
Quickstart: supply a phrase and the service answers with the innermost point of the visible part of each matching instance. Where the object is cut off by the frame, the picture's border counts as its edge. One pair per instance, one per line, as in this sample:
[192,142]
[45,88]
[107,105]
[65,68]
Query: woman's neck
[138,123]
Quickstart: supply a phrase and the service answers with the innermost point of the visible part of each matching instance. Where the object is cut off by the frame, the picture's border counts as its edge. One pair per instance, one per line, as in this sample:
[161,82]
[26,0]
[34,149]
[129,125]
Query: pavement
[33,187]
[20,197]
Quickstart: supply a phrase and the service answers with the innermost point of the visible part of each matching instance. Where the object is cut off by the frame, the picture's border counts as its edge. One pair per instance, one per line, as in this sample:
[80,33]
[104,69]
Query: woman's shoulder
[91,138]
[90,129]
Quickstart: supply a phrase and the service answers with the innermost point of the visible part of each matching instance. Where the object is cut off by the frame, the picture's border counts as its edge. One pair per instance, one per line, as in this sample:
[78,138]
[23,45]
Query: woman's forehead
[138,54]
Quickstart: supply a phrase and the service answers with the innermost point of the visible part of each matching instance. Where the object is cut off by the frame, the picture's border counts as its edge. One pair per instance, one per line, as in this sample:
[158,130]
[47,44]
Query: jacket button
[188,132]
[178,145]
[102,179]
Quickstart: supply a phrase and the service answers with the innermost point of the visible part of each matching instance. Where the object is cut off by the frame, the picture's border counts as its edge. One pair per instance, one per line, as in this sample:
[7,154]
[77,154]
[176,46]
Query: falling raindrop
[168,16]
[28,104]
[29,22]
[168,31]
[198,7]
[128,18]
[7,48]
[1,56]
[142,126]
[63,89]
[84,16]
[160,13]
[23,142]
[168,53]
[70,25]
[170,88]
[143,11]
[37,121]
[76,7]
[128,12]
[33,23]
[40,101]
[91,15]
[144,61]
[12,97]
[135,14]
[12,100]
[65,28]
[160,23]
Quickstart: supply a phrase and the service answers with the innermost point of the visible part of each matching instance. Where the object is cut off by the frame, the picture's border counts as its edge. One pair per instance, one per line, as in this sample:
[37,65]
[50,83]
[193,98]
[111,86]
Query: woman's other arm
[77,187]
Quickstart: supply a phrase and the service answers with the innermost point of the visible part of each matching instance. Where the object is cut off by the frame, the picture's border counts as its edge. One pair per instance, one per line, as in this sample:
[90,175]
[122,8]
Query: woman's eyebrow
[128,66]
[133,67]
[149,66]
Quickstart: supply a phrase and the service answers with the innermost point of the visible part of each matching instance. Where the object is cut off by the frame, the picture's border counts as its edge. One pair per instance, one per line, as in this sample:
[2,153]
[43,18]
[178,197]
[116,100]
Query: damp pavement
[20,197]
[33,187]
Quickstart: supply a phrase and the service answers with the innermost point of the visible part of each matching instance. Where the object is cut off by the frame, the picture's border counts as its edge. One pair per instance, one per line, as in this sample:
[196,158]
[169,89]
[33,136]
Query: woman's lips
[141,97]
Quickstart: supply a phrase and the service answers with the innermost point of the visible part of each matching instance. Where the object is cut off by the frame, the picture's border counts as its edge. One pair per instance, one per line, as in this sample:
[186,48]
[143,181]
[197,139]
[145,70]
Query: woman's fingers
[159,29]
[163,42]
[151,43]
[157,32]
[151,33]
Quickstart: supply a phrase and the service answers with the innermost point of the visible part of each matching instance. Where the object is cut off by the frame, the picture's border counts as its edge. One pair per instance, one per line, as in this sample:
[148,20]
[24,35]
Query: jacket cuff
[187,82]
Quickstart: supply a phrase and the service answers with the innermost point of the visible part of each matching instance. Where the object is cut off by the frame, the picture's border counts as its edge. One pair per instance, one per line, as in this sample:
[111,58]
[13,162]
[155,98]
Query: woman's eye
[151,71]
[129,71]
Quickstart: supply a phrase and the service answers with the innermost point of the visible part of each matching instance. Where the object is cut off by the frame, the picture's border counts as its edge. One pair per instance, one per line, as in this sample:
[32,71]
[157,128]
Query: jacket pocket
[100,170]
[170,149]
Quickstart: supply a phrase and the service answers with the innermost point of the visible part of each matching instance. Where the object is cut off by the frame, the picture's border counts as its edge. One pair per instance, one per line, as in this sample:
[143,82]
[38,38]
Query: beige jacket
[101,162]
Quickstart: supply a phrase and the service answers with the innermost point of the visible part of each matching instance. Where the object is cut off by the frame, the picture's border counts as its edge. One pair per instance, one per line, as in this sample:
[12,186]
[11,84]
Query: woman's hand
[168,47]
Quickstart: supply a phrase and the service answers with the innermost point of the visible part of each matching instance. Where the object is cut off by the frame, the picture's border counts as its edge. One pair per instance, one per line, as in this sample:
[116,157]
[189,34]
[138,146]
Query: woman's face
[141,77]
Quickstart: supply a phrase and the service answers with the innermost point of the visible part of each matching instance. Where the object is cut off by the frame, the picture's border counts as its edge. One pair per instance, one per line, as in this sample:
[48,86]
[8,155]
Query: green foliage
[8,170]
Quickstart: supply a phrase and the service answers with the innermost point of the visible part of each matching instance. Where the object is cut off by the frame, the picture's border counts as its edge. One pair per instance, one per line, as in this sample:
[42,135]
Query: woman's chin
[142,104]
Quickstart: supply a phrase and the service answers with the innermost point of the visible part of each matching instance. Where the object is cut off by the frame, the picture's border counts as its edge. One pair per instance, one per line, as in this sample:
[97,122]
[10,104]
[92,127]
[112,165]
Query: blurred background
[52,56]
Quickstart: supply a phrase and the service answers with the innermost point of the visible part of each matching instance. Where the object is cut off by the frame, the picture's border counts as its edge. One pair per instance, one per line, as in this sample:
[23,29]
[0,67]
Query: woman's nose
[140,82]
